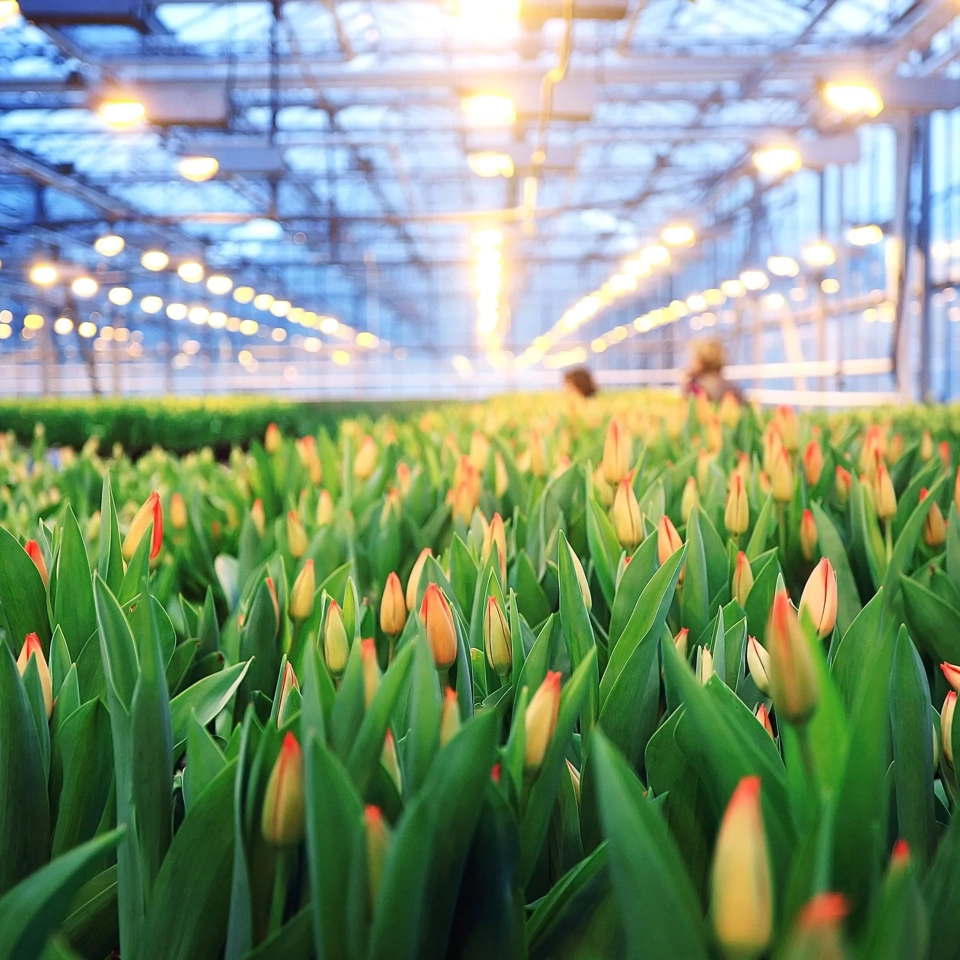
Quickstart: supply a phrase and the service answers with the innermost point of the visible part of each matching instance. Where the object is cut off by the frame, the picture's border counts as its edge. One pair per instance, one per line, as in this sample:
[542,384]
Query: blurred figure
[705,373]
[579,380]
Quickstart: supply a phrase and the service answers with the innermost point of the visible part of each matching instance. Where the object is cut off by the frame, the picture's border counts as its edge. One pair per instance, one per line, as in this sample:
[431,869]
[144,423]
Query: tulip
[818,932]
[812,463]
[479,449]
[282,822]
[574,781]
[763,483]
[495,535]
[681,642]
[601,488]
[540,720]
[946,725]
[449,717]
[758,663]
[272,438]
[926,447]
[714,434]
[501,479]
[843,481]
[743,466]
[736,515]
[616,453]
[886,497]
[782,480]
[31,648]
[808,535]
[371,671]
[742,579]
[296,535]
[952,673]
[729,410]
[404,478]
[258,516]
[178,511]
[538,465]
[741,888]
[563,465]
[704,665]
[287,686]
[895,451]
[272,590]
[388,757]
[391,507]
[668,540]
[366,459]
[301,596]
[35,554]
[581,578]
[324,508]
[464,501]
[943,450]
[704,460]
[763,716]
[934,527]
[956,490]
[787,425]
[437,619]
[690,499]
[336,645]
[496,638]
[393,609]
[626,514]
[413,581]
[900,856]
[150,512]
[793,677]
[378,848]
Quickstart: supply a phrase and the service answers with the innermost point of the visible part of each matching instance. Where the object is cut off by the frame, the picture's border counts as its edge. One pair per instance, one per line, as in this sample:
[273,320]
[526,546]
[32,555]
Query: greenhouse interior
[479,478]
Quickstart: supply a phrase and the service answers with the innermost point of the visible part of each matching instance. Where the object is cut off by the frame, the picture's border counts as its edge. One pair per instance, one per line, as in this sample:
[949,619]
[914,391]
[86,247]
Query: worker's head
[579,380]
[707,356]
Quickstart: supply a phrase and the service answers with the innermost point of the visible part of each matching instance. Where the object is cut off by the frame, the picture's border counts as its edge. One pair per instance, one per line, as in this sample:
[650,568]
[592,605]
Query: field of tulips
[635,678]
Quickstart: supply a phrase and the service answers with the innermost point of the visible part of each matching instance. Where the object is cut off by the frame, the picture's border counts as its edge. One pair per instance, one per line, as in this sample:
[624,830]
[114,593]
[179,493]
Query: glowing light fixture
[679,235]
[120,296]
[622,283]
[177,311]
[340,357]
[598,345]
[87,329]
[490,163]
[777,161]
[217,319]
[329,325]
[249,327]
[9,12]
[198,315]
[732,288]
[754,280]
[62,325]
[122,113]
[637,267]
[865,236]
[278,334]
[244,294]
[280,308]
[151,304]
[33,321]
[5,331]
[489,109]
[367,340]
[655,255]
[309,319]
[218,284]
[190,272]
[830,285]
[312,345]
[819,254]
[697,302]
[245,357]
[109,245]
[774,301]
[714,297]
[155,260]
[85,287]
[198,169]
[783,266]
[43,274]
[486,238]
[853,99]
[263,301]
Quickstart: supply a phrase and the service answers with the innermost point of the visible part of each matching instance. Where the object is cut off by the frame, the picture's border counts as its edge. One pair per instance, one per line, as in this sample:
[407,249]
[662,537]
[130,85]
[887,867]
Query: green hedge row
[181,425]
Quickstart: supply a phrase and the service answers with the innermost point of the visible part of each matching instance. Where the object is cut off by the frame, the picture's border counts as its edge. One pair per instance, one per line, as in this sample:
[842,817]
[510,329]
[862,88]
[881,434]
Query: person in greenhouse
[579,380]
[705,373]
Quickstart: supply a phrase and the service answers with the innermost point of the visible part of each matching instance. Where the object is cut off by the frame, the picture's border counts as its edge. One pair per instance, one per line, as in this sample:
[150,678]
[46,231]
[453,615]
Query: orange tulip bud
[886,497]
[496,638]
[371,671]
[31,648]
[258,516]
[668,540]
[150,512]
[812,463]
[793,677]
[818,932]
[943,450]
[404,478]
[288,685]
[616,453]
[763,716]
[336,644]
[495,536]
[393,609]
[449,717]
[413,581]
[926,447]
[741,888]
[178,511]
[786,423]
[626,514]
[758,663]
[952,673]
[378,847]
[324,508]
[437,618]
[843,481]
[736,516]
[272,438]
[704,460]
[681,642]
[282,822]
[956,491]
[808,535]
[296,535]
[35,554]
[934,526]
[365,461]
[540,720]
[742,579]
[946,725]
[782,480]
[690,499]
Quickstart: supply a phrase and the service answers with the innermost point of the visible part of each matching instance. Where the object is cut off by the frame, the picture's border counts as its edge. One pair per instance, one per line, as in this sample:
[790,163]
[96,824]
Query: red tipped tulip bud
[496,638]
[793,677]
[296,535]
[742,579]
[450,717]
[301,596]
[818,932]
[946,726]
[788,426]
[31,648]
[365,461]
[413,581]
[272,590]
[736,516]
[35,554]
[952,673]
[808,535]
[741,888]
[668,540]
[540,720]
[258,516]
[758,663]
[336,644]
[616,453]
[681,642]
[626,514]
[437,618]
[763,716]
[282,822]
[843,481]
[782,480]
[900,855]
[371,671]
[956,491]
[150,512]
[934,526]
[886,497]
[272,438]
[495,536]
[178,511]
[690,499]
[289,684]
[378,847]
[393,608]
[819,598]
[812,463]
[943,451]
[390,761]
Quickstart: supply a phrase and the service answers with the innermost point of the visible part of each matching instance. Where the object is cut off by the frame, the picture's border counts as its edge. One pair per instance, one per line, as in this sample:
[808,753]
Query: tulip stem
[281,879]
[294,651]
[806,752]
[888,536]
[782,530]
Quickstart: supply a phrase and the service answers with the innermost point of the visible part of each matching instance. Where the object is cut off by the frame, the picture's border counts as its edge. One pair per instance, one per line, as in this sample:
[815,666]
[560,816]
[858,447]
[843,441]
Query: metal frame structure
[345,187]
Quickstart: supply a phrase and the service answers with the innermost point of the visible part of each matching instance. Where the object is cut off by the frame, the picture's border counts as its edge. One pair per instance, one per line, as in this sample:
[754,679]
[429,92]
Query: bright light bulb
[33,321]
[244,294]
[217,319]
[783,266]
[245,357]
[155,260]
[489,109]
[87,329]
[622,283]
[655,255]
[714,297]
[198,315]
[120,296]
[43,274]
[598,345]
[774,301]
[830,285]
[249,327]
[263,301]
[777,161]
[490,163]
[280,308]
[367,340]
[122,113]
[486,238]
[198,169]
[9,12]
[190,272]
[853,98]
[679,235]
[340,357]
[754,280]
[696,302]
[732,288]
[218,284]
[637,267]
[819,254]
[85,287]
[278,335]
[177,311]
[151,304]
[865,236]
[329,325]
[109,245]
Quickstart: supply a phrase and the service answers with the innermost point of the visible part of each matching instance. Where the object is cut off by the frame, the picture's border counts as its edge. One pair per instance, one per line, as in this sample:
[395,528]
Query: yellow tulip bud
[324,508]
[296,535]
[763,717]
[495,536]
[758,663]
[336,644]
[690,499]
[496,638]
[258,516]
[704,665]
[934,526]
[413,581]
[616,453]
[668,540]
[272,439]
[812,463]
[540,720]
[371,671]
[301,596]
[946,725]
[782,480]
[150,512]
[390,761]
[178,511]
[819,598]
[736,515]
[393,610]
[287,687]
[626,514]
[886,497]
[581,578]
[365,461]
[808,535]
